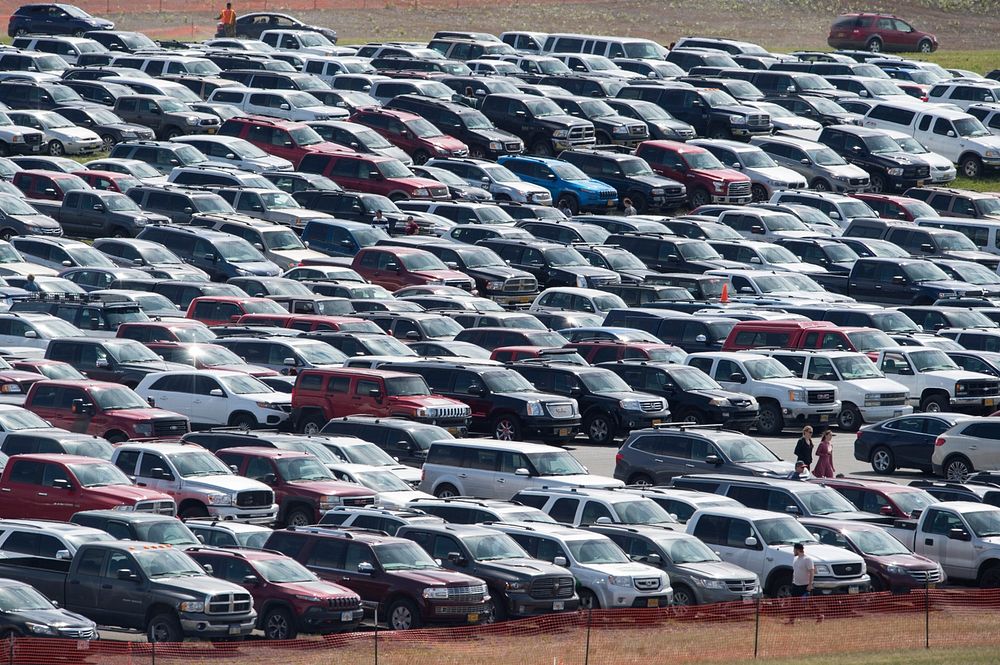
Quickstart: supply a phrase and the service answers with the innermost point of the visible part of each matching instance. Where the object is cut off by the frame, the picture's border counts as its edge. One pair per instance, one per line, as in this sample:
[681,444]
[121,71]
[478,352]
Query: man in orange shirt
[228,19]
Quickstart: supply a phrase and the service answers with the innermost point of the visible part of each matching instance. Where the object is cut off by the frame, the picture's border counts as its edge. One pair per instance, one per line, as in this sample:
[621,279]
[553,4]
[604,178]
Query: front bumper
[747,132]
[551,429]
[523,605]
[444,612]
[456,427]
[842,187]
[319,619]
[82,147]
[660,599]
[734,200]
[670,201]
[25,148]
[902,183]
[631,420]
[264,516]
[510,299]
[828,586]
[810,414]
[875,414]
[974,405]
[944,176]
[708,596]
[738,419]
[204,625]
[569,144]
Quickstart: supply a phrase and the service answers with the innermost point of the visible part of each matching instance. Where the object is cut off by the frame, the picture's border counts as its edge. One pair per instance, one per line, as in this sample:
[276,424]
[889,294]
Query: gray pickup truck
[140,586]
[98,214]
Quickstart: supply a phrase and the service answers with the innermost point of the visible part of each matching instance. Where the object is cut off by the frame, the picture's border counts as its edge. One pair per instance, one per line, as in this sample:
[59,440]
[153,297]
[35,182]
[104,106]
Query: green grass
[989,183]
[977,61]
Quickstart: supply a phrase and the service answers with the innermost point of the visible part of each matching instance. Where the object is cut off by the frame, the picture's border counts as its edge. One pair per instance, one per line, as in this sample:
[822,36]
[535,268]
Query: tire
[403,615]
[588,600]
[115,437]
[970,166]
[56,149]
[758,193]
[311,424]
[477,152]
[934,404]
[990,578]
[172,133]
[770,422]
[640,203]
[850,419]
[397,196]
[877,183]
[507,428]
[542,148]
[602,138]
[298,517]
[925,46]
[420,157]
[243,421]
[164,627]
[78,33]
[780,586]
[20,32]
[718,132]
[4,149]
[640,479]
[109,142]
[693,416]
[957,467]
[119,232]
[446,491]
[600,428]
[278,624]
[7,234]
[683,596]
[498,608]
[241,35]
[568,201]
[699,197]
[192,511]
[501,197]
[874,45]
[820,185]
[883,461]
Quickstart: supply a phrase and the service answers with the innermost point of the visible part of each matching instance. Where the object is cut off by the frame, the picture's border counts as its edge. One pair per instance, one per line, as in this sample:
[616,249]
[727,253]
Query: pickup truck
[937,384]
[961,536]
[894,281]
[140,586]
[98,214]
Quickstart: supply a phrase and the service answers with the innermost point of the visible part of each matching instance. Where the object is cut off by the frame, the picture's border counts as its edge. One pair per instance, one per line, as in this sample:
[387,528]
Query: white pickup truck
[964,537]
[762,541]
[937,384]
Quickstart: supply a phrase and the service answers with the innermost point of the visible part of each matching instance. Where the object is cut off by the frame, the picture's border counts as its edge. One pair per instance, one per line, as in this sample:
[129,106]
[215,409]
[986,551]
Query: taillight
[618,458]
[939,441]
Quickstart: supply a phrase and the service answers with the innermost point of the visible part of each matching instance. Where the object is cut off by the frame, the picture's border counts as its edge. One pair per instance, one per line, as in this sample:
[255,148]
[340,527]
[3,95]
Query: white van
[286,104]
[945,130]
[609,47]
[985,233]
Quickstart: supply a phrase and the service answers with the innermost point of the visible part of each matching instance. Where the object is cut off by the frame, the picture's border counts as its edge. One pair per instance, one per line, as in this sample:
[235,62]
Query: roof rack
[330,530]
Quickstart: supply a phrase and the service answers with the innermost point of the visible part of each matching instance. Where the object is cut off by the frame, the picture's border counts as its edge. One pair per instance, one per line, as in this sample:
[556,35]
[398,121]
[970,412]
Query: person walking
[803,575]
[629,208]
[824,453]
[228,20]
[804,446]
[412,228]
[378,221]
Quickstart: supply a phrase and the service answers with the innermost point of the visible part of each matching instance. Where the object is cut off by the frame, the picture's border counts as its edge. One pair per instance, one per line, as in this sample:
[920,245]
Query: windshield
[303,136]
[718,98]
[560,257]
[824,501]
[825,157]
[422,261]
[363,453]
[687,550]
[381,481]
[766,368]
[21,419]
[604,381]
[245,384]
[295,469]
[99,475]
[623,261]
[783,531]
[253,540]
[53,370]
[642,511]
[118,398]
[22,598]
[783,222]
[238,251]
[302,100]
[970,127]
[702,160]
[211,203]
[856,367]
[403,556]
[168,532]
[506,381]
[556,464]
[121,203]
[494,547]
[870,340]
[53,328]
[697,250]
[595,551]
[90,257]
[930,360]
[894,322]
[423,129]
[409,386]
[875,542]
[974,273]
[912,501]
[282,240]
[635,166]
[393,168]
[167,563]
[693,379]
[957,241]
[283,570]
[924,271]
[743,449]
[542,107]
[318,353]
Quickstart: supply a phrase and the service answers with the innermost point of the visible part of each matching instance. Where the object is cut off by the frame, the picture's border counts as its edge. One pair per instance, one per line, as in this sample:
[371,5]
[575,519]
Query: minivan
[221,255]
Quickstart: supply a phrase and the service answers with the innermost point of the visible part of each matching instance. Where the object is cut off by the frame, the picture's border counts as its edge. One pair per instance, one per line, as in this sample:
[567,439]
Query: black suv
[539,122]
[406,440]
[177,203]
[631,177]
[503,402]
[957,202]
[552,264]
[667,254]
[91,316]
[608,405]
[693,396]
[712,113]
[27,94]
[123,361]
[465,124]
[889,167]
[519,585]
[822,110]
[691,333]
[835,256]
[141,526]
[622,261]
[661,125]
[351,206]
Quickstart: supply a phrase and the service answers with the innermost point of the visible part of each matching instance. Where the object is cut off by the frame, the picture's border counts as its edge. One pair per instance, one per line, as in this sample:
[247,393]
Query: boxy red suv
[320,395]
[814,335]
[223,310]
[890,206]
[47,185]
[879,32]
[396,267]
[374,174]
[707,179]
[281,138]
[411,133]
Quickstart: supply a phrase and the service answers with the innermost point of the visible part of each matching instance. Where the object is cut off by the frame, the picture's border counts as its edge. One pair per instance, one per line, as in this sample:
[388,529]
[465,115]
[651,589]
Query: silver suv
[463,510]
[50,540]
[822,168]
[376,518]
[497,179]
[582,506]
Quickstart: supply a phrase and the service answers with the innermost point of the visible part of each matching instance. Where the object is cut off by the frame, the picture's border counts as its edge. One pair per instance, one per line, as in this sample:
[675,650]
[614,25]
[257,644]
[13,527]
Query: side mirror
[560,561]
[216,392]
[258,246]
[61,484]
[284,107]
[863,93]
[234,468]
[288,362]
[757,229]
[456,558]
[701,339]
[885,510]
[67,264]
[30,334]
[959,534]
[125,574]
[151,402]
[138,262]
[926,247]
[834,214]
[63,555]
[951,134]
[158,474]
[750,541]
[898,279]
[366,568]
[375,393]
[230,155]
[99,207]
[251,580]
[102,364]
[413,335]
[269,479]
[793,510]
[713,459]
[738,377]
[754,259]
[521,471]
[210,257]
[737,166]
[654,559]
[805,160]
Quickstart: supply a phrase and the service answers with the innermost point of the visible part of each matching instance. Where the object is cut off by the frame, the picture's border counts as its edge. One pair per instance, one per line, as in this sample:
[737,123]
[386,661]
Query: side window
[90,562]
[564,510]
[328,553]
[941,522]
[593,511]
[712,529]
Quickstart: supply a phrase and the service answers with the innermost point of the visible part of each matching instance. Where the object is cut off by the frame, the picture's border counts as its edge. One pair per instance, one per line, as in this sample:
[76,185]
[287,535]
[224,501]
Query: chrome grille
[450,411]
[208,121]
[685,133]
[892,399]
[847,569]
[562,410]
[252,498]
[357,500]
[638,130]
[739,189]
[552,587]
[647,583]
[520,285]
[608,194]
[651,406]
[467,594]
[858,181]
[512,147]
[466,284]
[229,603]
[819,396]
[758,120]
[170,427]
[344,603]
[439,192]
[33,138]
[926,576]
[742,586]
[158,507]
[977,388]
[78,633]
[581,133]
[459,609]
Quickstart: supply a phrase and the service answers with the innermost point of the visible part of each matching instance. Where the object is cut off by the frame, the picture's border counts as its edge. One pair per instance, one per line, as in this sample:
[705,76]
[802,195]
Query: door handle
[658,461]
[878,286]
[769,558]
[928,541]
[42,494]
[345,579]
[690,466]
[462,475]
[141,484]
[501,480]
[105,586]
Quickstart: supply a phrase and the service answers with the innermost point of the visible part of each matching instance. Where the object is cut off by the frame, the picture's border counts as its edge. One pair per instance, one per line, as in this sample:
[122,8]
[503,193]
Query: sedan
[904,442]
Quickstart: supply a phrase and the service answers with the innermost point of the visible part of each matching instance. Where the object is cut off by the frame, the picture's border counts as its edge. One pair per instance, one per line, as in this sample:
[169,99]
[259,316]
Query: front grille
[846,569]
[921,171]
[345,603]
[467,594]
[943,169]
[158,507]
[520,285]
[51,232]
[77,633]
[820,396]
[170,427]
[685,133]
[651,406]
[562,410]
[638,130]
[979,388]
[253,498]
[552,587]
[439,192]
[229,603]
[739,189]
[208,121]
[466,284]
[458,609]
[581,133]
[926,576]
[450,411]
[608,194]
[892,399]
[759,120]
[742,586]
[32,139]
[597,282]
[858,181]
[647,583]
[512,147]
[358,501]
[740,403]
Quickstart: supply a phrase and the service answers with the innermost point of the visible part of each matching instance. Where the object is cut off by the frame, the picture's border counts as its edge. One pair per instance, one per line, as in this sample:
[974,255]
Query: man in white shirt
[803,574]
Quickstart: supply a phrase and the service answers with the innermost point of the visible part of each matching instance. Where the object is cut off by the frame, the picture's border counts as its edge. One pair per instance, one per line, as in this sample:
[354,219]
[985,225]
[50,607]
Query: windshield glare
[783,531]
[556,464]
[596,551]
[302,469]
[744,450]
[766,368]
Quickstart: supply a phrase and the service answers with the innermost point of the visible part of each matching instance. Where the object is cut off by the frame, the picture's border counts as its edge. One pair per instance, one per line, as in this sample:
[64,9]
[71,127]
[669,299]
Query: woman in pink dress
[824,455]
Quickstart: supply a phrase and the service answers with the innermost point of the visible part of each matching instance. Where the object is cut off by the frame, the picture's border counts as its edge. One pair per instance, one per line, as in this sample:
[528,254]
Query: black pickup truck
[140,586]
[897,282]
[99,214]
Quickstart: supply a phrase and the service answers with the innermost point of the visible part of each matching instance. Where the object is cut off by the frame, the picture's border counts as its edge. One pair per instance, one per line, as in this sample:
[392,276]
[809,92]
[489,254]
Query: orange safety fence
[731,632]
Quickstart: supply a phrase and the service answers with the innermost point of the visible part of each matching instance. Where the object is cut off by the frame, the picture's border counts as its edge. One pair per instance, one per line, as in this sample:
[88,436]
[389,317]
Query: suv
[411,133]
[50,540]
[957,202]
[229,534]
[878,33]
[544,127]
[324,394]
[551,263]
[501,402]
[221,255]
[889,167]
[581,506]
[706,178]
[166,116]
[376,518]
[569,188]
[388,572]
[98,319]
[397,267]
[122,361]
[281,138]
[161,155]
[375,174]
[406,440]
[631,177]
[140,526]
[465,510]
[465,124]
[711,112]
[823,169]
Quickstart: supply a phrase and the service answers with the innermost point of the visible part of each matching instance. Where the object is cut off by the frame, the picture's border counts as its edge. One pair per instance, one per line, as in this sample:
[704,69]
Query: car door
[957,557]
[912,439]
[155,472]
[210,403]
[85,596]
[123,600]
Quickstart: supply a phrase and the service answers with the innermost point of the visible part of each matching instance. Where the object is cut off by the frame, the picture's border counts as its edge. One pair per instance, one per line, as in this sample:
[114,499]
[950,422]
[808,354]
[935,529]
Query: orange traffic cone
[725,293]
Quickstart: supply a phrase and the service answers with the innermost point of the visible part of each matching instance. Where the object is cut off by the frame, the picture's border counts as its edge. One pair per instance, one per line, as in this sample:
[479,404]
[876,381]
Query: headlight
[10,388]
[656,191]
[496,146]
[140,221]
[620,580]
[435,593]
[268,405]
[243,273]
[17,138]
[192,606]
[719,186]
[31,228]
[495,285]
[422,412]
[581,281]
[822,569]
[40,629]
[991,153]
[306,597]
[220,499]
[620,130]
[737,120]
[516,586]
[328,502]
[630,405]
[535,409]
[842,178]
[796,395]
[719,401]
[706,583]
[144,429]
[960,388]
[129,135]
[561,133]
[895,570]
[192,121]
[895,171]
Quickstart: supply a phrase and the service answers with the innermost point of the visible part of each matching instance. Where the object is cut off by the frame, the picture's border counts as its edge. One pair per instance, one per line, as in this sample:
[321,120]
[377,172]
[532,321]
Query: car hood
[316,588]
[814,297]
[824,554]
[441,274]
[296,214]
[299,255]
[419,401]
[226,482]
[729,175]
[78,133]
[716,570]
[724,394]
[521,567]
[406,473]
[582,480]
[566,121]
[958,375]
[138,415]
[740,110]
[505,272]
[37,220]
[777,174]
[793,383]
[951,285]
[332,488]
[437,577]
[800,234]
[495,135]
[252,370]
[265,268]
[201,585]
[56,618]
[155,366]
[587,271]
[846,170]
[625,569]
[25,269]
[879,385]
[654,180]
[127,494]
[776,469]
[909,561]
[399,498]
[970,255]
[796,123]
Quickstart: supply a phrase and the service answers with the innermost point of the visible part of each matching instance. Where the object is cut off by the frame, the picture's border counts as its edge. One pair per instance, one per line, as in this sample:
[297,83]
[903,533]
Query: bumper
[827,586]
[631,420]
[944,176]
[82,147]
[509,299]
[203,625]
[846,188]
[874,414]
[570,144]
[662,599]
[264,516]
[708,596]
[735,200]
[824,414]
[456,613]
[901,184]
[25,148]
[327,620]
[736,419]
[598,205]
[974,405]
[747,132]
[457,428]
[523,605]
[670,201]
[550,429]
[992,162]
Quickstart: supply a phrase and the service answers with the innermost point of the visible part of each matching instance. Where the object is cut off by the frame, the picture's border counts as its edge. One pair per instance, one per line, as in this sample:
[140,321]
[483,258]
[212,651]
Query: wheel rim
[599,429]
[55,148]
[759,193]
[881,460]
[108,143]
[160,632]
[877,185]
[875,46]
[504,430]
[820,186]
[957,470]
[933,407]
[925,47]
[310,428]
[970,168]
[783,591]
[642,481]
[699,199]
[682,598]
[477,153]
[277,627]
[402,618]
[766,420]
[446,493]
[298,519]
[848,419]
[587,601]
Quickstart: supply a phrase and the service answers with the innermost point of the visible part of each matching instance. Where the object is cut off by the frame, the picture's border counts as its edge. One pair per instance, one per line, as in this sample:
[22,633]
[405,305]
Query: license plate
[559,605]
[611,203]
[211,131]
[653,602]
[853,589]
[920,183]
[565,431]
[473,618]
[932,586]
[655,422]
[347,616]
[823,419]
[989,402]
[454,431]
[897,413]
[83,645]
[234,630]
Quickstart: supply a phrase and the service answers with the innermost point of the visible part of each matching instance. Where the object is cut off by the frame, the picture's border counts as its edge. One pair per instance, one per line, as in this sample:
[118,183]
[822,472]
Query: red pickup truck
[223,310]
[309,322]
[707,179]
[396,267]
[817,335]
[54,487]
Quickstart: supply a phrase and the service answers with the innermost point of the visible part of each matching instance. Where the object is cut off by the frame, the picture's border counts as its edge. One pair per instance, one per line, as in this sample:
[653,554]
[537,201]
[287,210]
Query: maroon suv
[289,599]
[282,138]
[394,576]
[412,134]
[879,32]
[374,174]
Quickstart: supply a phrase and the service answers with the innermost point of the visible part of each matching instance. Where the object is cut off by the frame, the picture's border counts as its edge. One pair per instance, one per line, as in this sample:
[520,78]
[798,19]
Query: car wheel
[298,517]
[193,511]
[542,148]
[850,418]
[240,35]
[477,152]
[934,404]
[568,201]
[781,587]
[759,193]
[56,149]
[877,184]
[883,461]
[164,628]
[243,421]
[4,149]
[600,429]
[279,625]
[990,578]
[7,234]
[640,480]
[874,45]
[507,428]
[311,424]
[925,46]
[588,601]
[820,185]
[20,32]
[420,157]
[769,420]
[403,615]
[971,166]
[108,142]
[957,468]
[683,596]
[602,138]
[640,203]
[700,197]
[446,491]
[78,33]
[115,437]
[694,416]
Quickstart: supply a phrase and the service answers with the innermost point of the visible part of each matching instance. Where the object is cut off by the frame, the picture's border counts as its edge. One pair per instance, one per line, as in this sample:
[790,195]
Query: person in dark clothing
[804,447]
